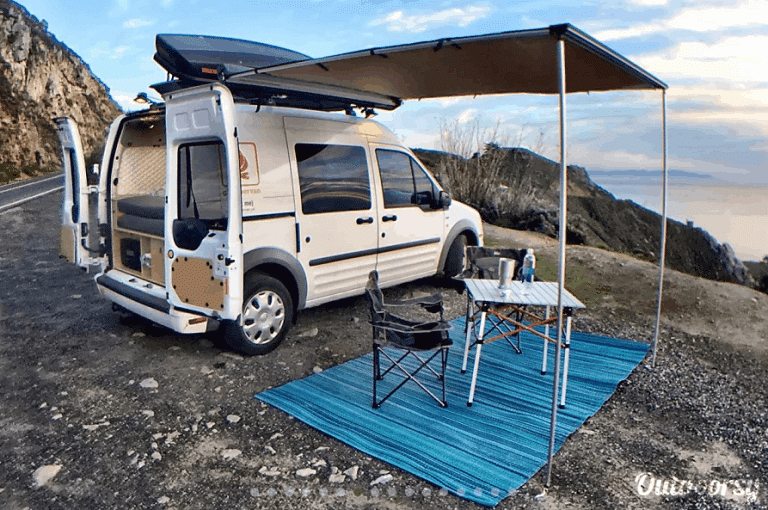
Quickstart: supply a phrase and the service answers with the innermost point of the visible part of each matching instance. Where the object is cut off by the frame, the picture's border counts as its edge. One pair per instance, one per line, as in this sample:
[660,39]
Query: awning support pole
[663,249]
[561,265]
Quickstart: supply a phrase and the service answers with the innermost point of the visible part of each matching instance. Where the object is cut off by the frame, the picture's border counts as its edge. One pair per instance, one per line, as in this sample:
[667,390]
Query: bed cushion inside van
[142,213]
[144,206]
[151,226]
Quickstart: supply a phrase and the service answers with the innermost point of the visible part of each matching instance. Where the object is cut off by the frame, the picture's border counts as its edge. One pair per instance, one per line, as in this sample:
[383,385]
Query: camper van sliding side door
[75,211]
[203,216]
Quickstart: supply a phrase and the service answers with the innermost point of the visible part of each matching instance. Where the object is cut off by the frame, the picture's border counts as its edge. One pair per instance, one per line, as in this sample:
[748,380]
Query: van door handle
[360,221]
[389,218]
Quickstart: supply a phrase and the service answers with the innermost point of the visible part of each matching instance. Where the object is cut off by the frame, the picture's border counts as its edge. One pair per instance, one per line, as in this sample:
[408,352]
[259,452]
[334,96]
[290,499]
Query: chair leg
[444,354]
[411,376]
[376,372]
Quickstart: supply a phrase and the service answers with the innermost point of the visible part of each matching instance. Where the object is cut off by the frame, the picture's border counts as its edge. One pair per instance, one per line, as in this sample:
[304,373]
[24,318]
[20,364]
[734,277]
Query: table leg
[469,325]
[477,360]
[567,357]
[546,346]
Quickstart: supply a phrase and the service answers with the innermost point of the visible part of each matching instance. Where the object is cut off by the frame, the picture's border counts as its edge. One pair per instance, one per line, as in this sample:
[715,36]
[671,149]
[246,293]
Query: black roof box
[202,57]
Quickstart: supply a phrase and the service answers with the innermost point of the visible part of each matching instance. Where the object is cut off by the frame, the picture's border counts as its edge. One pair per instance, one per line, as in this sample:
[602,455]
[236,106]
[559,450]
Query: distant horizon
[644,173]
[677,177]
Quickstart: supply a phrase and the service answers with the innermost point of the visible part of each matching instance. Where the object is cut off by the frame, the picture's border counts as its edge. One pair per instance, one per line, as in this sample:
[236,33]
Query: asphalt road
[15,194]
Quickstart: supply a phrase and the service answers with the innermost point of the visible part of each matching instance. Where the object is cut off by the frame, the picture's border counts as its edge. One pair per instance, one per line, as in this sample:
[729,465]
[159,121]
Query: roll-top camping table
[484,297]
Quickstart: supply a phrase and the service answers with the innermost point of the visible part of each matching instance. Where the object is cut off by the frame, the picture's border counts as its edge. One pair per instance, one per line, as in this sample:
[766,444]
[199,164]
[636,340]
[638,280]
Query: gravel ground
[103,411]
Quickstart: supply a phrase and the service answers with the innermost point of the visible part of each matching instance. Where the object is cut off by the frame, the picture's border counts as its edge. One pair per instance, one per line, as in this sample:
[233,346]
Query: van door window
[401,179]
[75,185]
[203,184]
[332,178]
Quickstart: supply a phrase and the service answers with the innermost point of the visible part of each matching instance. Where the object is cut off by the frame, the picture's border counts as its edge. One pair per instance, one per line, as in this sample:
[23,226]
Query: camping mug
[506,272]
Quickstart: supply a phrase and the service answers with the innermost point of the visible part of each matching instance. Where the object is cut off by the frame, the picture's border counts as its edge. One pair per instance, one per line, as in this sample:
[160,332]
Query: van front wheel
[267,316]
[454,262]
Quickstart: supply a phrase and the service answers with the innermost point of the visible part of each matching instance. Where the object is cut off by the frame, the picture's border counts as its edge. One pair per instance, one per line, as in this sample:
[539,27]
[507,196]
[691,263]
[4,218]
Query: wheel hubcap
[263,317]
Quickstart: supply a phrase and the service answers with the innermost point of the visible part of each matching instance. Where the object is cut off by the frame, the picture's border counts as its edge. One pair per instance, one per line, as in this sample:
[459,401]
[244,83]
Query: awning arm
[663,248]
[561,264]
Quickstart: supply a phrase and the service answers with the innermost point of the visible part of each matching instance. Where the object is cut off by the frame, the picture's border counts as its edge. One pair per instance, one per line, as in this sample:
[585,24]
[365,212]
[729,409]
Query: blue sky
[711,54]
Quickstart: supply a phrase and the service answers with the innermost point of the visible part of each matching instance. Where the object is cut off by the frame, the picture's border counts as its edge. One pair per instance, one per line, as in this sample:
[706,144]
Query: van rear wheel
[266,316]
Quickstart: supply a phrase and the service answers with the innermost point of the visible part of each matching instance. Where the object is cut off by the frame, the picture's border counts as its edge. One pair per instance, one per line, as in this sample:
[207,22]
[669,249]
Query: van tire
[267,315]
[454,262]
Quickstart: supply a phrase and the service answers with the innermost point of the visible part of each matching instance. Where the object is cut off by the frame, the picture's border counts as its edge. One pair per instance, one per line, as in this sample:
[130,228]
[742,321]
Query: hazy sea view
[732,213]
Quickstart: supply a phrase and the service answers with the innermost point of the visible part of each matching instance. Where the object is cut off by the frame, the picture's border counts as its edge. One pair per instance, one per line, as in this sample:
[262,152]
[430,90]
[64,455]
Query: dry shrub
[484,172]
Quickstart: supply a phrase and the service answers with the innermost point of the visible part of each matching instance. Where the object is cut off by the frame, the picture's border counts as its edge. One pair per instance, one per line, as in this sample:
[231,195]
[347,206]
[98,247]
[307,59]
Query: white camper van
[236,203]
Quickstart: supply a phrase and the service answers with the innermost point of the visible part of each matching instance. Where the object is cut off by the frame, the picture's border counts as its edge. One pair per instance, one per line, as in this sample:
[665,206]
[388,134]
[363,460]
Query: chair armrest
[426,302]
[415,328]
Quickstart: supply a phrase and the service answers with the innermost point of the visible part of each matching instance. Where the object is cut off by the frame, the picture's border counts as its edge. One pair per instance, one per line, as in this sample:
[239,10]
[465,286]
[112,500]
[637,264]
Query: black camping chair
[483,262]
[410,337]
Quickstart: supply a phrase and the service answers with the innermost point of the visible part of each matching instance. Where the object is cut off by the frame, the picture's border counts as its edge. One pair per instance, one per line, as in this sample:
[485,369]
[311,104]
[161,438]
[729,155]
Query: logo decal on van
[249,166]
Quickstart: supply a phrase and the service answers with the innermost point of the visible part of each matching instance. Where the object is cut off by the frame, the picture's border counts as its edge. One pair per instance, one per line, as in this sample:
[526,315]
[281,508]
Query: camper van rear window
[203,183]
[333,178]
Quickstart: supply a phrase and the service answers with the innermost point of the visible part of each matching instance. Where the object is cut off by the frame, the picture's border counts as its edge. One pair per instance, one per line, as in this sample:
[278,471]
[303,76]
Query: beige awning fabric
[504,63]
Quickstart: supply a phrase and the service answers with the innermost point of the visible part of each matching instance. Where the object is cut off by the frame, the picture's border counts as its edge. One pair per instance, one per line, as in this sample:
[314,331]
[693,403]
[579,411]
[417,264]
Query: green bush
[8,173]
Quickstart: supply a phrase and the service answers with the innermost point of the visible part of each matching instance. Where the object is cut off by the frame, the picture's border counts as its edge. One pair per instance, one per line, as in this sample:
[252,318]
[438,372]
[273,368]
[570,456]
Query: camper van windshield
[203,184]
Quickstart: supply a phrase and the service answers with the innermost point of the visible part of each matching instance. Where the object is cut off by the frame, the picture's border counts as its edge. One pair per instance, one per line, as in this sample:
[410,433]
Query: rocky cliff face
[40,78]
[596,218]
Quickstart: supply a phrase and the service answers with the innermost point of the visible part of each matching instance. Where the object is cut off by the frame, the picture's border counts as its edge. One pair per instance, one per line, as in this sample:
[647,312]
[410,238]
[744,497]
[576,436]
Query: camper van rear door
[204,252]
[75,212]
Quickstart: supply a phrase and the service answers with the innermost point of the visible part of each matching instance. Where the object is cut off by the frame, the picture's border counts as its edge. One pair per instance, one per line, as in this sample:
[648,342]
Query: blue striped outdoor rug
[482,453]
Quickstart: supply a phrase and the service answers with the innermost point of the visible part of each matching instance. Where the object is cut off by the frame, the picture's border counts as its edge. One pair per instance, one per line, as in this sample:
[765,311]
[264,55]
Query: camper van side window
[422,181]
[203,184]
[401,178]
[332,178]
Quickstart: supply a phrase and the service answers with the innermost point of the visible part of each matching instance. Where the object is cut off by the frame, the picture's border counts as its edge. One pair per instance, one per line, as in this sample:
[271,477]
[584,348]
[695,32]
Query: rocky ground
[100,411]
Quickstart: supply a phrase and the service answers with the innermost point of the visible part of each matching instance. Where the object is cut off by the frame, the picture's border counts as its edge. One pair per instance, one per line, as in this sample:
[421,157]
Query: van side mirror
[188,233]
[426,199]
[443,200]
[422,198]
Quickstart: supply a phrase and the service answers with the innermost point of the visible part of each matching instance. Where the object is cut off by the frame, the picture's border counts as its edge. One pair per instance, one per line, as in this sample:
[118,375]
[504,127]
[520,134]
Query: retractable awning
[522,61]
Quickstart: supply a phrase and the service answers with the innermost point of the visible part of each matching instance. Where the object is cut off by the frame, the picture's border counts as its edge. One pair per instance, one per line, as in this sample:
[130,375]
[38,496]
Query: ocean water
[733,214]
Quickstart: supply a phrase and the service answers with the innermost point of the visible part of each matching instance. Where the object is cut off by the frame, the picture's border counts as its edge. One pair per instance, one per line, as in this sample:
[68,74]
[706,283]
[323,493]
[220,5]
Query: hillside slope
[40,79]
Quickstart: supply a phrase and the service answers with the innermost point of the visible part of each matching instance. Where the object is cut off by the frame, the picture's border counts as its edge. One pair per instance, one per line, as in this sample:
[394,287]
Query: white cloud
[118,52]
[709,18]
[696,19]
[614,34]
[737,60]
[467,116]
[137,23]
[649,3]
[399,21]
[122,98]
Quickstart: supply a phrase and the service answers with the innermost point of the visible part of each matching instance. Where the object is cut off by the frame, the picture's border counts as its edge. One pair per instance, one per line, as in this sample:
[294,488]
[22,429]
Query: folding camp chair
[423,341]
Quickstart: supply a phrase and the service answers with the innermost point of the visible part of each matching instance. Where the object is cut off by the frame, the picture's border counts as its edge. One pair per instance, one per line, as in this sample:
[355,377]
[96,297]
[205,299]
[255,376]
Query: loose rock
[149,383]
[44,474]
[230,453]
